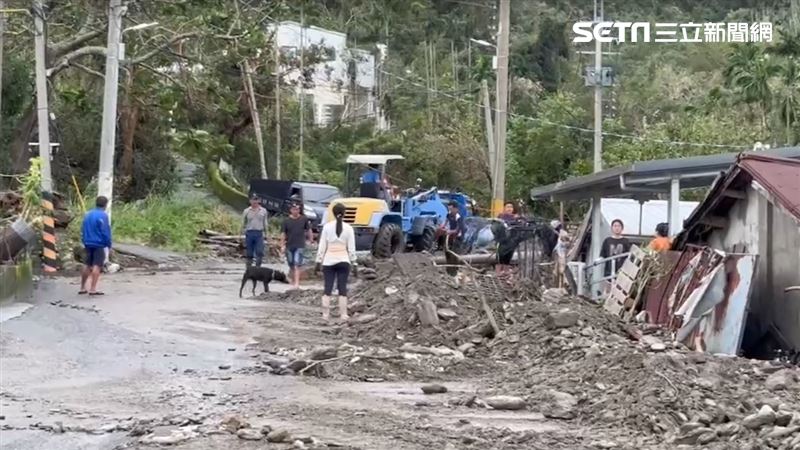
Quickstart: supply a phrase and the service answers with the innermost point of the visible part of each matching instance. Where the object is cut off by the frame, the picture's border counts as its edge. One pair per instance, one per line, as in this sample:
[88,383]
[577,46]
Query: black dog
[264,275]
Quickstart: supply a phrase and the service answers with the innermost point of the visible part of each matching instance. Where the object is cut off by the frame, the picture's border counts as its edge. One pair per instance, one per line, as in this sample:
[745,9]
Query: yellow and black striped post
[49,253]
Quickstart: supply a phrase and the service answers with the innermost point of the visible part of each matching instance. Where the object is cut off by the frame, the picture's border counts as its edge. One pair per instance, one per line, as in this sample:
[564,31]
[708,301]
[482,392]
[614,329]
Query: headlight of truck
[309,212]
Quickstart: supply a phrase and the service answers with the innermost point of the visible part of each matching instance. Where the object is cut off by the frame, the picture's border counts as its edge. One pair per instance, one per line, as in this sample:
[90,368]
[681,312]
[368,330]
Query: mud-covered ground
[176,358]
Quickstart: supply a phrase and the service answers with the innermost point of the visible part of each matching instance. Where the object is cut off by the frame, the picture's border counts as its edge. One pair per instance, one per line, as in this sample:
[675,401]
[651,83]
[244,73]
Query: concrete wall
[755,225]
[16,281]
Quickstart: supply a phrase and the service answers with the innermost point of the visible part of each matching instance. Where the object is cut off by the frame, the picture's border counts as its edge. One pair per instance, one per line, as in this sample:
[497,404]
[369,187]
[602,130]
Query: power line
[566,126]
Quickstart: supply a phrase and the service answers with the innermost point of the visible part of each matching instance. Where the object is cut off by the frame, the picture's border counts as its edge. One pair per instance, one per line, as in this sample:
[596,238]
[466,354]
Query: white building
[343,85]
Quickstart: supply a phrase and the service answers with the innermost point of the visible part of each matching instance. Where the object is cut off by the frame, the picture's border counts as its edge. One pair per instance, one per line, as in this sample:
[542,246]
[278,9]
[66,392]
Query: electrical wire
[566,126]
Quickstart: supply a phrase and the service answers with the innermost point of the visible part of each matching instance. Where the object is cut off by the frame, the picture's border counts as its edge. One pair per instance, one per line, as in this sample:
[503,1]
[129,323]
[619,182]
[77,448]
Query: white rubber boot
[343,308]
[326,308]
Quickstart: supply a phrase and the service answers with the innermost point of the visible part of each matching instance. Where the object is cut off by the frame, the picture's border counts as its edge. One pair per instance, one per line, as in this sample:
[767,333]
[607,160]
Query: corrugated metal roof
[779,176]
[649,176]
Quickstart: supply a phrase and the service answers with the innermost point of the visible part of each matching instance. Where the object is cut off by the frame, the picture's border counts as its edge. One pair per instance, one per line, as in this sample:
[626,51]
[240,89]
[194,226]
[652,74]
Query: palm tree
[789,101]
[749,72]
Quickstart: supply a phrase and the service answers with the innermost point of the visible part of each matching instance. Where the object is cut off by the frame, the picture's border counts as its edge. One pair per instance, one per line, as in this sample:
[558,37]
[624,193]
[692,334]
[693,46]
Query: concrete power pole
[597,215]
[49,250]
[105,182]
[41,97]
[2,44]
[302,92]
[498,191]
[277,108]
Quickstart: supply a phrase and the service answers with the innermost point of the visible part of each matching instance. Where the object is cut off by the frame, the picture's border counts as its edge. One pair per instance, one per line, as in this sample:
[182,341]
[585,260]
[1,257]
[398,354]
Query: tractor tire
[426,241]
[388,241]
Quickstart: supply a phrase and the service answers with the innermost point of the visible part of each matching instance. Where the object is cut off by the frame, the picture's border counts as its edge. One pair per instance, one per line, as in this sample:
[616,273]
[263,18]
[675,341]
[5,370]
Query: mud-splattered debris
[780,380]
[447,314]
[297,365]
[764,416]
[322,353]
[363,318]
[692,436]
[233,423]
[561,319]
[728,429]
[278,436]
[506,402]
[430,389]
[250,434]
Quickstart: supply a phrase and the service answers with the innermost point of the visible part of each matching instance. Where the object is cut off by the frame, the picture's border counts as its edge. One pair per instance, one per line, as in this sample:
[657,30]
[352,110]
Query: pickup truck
[277,195]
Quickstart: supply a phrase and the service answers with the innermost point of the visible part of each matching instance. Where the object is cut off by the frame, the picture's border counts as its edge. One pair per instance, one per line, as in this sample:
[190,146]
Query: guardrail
[586,279]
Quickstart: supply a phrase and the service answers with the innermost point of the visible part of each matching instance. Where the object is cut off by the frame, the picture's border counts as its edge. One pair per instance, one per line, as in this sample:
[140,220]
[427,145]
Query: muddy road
[176,357]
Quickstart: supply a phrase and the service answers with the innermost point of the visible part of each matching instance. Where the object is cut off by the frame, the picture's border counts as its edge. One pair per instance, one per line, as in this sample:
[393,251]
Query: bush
[169,223]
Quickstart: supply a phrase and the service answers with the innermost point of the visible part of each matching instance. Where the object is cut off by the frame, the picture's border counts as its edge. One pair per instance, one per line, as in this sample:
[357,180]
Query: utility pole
[597,214]
[302,91]
[41,97]
[248,85]
[2,44]
[49,252]
[277,108]
[105,182]
[490,142]
[498,192]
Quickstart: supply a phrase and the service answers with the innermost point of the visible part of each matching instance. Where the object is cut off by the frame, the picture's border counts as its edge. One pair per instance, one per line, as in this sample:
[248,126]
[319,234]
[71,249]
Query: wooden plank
[714,221]
[732,193]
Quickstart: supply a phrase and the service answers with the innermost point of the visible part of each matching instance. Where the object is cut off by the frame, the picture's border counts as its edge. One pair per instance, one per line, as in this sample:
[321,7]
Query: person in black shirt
[615,245]
[296,231]
[454,229]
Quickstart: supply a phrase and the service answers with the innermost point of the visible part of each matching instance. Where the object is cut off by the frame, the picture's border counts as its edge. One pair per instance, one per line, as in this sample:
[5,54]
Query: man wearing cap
[254,225]
[296,232]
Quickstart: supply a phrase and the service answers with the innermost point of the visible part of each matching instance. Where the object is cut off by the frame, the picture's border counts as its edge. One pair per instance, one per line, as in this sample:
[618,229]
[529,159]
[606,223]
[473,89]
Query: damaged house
[754,208]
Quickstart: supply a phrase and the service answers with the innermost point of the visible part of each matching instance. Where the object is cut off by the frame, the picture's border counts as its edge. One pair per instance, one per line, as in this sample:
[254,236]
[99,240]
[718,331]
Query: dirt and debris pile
[569,360]
[415,302]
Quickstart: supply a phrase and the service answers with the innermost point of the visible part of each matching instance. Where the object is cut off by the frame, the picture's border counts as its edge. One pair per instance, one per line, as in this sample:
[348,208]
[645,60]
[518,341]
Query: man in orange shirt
[662,242]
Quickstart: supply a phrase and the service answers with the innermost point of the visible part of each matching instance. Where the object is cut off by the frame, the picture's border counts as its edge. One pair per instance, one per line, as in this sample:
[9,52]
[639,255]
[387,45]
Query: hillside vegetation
[181,89]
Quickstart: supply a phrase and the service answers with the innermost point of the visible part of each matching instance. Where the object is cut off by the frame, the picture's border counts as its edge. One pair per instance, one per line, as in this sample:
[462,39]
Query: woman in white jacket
[337,256]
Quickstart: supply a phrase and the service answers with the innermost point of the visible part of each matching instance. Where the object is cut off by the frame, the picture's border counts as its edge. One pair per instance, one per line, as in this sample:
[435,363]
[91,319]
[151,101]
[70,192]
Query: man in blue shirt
[96,237]
[372,174]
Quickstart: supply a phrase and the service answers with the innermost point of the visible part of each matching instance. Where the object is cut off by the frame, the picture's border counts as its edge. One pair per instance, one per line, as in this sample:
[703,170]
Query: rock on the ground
[233,423]
[764,416]
[447,314]
[466,347]
[278,436]
[364,318]
[297,365]
[167,437]
[603,444]
[561,319]
[275,364]
[728,429]
[562,406]
[693,437]
[321,353]
[427,312]
[783,418]
[250,434]
[434,389]
[780,380]
[506,402]
[782,432]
